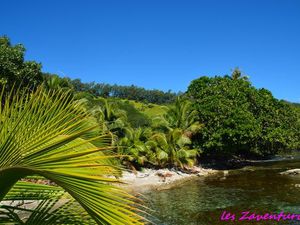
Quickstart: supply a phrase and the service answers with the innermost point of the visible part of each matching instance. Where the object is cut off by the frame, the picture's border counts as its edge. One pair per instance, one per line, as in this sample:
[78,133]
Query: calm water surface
[260,189]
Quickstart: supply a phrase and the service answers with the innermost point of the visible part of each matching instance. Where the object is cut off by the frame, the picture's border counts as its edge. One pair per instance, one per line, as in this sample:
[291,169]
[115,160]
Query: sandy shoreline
[151,179]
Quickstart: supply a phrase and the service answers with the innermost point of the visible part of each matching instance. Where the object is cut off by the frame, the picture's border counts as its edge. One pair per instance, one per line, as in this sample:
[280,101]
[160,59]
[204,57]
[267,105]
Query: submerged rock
[292,172]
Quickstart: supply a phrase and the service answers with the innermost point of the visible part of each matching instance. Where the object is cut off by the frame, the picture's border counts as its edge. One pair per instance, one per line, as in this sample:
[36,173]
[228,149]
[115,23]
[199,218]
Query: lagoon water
[258,188]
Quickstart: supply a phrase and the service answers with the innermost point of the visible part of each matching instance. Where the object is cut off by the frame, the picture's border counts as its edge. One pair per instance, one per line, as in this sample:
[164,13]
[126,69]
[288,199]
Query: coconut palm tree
[55,82]
[133,147]
[181,115]
[172,149]
[109,116]
[47,138]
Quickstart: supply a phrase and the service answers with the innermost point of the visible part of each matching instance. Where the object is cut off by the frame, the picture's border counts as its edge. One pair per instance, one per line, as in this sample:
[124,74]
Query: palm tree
[172,149]
[172,144]
[133,147]
[109,116]
[45,134]
[181,115]
[55,82]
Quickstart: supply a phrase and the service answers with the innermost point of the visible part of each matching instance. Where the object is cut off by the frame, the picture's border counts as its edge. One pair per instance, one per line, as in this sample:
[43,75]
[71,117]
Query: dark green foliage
[240,120]
[125,92]
[96,89]
[140,94]
[14,70]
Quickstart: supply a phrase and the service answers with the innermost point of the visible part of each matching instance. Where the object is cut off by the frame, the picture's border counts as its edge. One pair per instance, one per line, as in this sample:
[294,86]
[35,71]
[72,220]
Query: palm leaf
[50,135]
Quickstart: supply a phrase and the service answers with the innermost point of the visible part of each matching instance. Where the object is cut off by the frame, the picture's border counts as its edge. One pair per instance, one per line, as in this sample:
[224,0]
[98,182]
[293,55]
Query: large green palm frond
[48,134]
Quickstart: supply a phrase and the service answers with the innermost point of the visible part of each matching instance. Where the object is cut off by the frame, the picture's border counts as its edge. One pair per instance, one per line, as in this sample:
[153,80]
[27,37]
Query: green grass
[151,110]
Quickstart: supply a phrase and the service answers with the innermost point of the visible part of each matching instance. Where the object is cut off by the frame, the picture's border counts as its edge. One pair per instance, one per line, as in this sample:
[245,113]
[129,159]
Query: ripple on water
[260,190]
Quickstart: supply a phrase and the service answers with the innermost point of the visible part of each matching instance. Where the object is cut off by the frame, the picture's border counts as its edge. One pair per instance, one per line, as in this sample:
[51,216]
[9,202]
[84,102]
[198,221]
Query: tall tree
[14,70]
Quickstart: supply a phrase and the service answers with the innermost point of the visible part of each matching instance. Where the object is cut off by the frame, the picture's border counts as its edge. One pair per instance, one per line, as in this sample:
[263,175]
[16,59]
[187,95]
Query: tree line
[15,71]
[219,117]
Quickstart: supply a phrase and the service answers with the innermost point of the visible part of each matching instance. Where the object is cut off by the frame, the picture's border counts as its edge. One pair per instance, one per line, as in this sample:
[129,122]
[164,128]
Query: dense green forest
[217,118]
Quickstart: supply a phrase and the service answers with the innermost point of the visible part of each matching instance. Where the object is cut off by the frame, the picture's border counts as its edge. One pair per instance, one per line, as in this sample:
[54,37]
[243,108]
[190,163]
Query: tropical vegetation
[63,141]
[52,152]
[240,120]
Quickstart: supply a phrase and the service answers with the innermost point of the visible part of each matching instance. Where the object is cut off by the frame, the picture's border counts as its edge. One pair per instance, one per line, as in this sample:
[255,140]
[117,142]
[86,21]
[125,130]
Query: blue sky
[161,44]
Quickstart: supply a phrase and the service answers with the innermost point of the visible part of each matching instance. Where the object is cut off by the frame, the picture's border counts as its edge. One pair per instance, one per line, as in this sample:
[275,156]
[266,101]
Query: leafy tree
[14,70]
[279,123]
[240,120]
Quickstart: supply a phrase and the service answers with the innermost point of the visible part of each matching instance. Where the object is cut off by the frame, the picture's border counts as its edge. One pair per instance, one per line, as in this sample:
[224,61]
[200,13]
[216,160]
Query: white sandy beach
[161,179]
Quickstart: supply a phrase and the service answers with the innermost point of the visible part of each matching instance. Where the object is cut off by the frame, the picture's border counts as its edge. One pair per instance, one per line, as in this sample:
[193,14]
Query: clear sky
[161,44]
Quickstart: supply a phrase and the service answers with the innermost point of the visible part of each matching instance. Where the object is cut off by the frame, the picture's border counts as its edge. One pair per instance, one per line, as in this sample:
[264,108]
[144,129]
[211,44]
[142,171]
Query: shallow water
[259,189]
